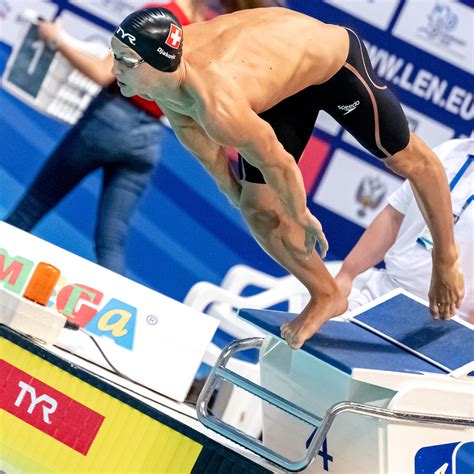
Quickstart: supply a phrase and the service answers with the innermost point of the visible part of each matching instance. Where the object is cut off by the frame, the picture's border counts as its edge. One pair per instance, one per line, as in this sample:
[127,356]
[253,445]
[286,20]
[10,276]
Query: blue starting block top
[397,335]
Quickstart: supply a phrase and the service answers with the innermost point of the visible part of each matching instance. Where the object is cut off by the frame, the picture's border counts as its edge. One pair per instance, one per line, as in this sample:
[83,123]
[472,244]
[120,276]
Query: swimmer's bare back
[260,56]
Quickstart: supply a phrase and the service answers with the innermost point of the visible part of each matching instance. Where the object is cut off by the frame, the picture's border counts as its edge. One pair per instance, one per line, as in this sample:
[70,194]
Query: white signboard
[12,14]
[45,79]
[28,65]
[85,35]
[153,339]
[376,12]
[443,28]
[354,189]
[431,131]
[327,124]
[112,11]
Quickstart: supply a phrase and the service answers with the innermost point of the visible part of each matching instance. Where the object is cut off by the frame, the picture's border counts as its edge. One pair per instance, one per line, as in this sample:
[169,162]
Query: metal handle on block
[381,413]
[220,372]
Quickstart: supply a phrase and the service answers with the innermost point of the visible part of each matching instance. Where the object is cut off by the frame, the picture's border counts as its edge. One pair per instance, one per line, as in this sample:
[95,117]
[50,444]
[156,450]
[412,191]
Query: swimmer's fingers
[323,244]
[310,241]
[315,237]
[447,289]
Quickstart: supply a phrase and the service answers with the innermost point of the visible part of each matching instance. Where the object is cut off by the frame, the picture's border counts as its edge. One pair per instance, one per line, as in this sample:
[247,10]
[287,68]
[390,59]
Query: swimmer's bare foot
[316,312]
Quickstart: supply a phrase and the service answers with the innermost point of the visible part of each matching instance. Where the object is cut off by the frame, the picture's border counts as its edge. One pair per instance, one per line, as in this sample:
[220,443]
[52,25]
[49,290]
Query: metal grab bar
[220,372]
[381,413]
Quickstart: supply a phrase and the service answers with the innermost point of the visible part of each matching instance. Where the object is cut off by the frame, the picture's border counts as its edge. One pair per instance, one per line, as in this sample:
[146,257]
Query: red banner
[47,409]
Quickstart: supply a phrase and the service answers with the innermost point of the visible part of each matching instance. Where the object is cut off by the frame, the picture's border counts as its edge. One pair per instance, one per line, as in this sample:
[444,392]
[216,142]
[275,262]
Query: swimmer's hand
[314,235]
[447,287]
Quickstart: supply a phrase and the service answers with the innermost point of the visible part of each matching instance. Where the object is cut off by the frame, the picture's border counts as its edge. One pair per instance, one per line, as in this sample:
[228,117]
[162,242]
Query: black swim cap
[156,35]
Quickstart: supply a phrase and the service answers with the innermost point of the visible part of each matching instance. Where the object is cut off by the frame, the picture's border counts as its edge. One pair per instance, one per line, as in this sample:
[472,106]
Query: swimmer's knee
[414,159]
[410,144]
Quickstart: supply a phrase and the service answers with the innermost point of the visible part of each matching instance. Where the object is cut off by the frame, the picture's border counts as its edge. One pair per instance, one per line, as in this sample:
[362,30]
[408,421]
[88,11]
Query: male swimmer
[255,81]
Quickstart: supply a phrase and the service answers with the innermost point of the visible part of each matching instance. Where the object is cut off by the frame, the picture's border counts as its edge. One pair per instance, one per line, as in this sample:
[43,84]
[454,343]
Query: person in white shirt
[399,236]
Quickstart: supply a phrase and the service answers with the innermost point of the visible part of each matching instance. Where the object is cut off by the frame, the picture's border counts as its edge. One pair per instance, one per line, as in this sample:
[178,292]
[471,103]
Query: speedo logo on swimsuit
[165,53]
[124,35]
[348,108]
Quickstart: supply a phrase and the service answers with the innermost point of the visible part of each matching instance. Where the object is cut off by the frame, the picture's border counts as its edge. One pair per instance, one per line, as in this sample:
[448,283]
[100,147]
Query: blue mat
[400,318]
[347,345]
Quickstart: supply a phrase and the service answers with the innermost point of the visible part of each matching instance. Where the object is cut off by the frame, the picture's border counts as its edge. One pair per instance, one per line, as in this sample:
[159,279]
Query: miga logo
[80,303]
[124,35]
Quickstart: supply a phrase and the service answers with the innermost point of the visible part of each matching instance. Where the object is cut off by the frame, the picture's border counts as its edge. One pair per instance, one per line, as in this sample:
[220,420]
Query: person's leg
[63,170]
[124,182]
[281,239]
[122,190]
[364,106]
[293,122]
[73,159]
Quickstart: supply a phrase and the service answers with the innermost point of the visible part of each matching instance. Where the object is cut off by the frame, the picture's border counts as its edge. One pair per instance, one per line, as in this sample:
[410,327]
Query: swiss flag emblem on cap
[174,36]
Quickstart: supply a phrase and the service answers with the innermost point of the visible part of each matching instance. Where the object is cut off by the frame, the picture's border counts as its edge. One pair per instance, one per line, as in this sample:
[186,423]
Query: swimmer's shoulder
[252,16]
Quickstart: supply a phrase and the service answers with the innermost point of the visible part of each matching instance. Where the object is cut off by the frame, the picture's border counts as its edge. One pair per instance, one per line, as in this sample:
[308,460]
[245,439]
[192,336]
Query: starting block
[390,390]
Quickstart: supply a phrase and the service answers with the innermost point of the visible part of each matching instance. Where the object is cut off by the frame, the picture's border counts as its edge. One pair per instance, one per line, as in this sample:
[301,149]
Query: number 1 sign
[28,65]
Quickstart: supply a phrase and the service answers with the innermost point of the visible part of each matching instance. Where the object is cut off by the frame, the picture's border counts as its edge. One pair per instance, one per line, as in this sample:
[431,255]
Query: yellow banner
[42,406]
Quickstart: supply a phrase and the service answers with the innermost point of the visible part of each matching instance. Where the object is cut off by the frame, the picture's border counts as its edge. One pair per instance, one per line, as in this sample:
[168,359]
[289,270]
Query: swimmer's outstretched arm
[210,154]
[423,169]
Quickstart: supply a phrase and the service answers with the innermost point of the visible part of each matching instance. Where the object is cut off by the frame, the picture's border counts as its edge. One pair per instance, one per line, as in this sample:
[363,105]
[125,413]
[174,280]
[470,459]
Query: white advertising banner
[44,78]
[327,124]
[354,189]
[443,28]
[13,12]
[112,11]
[95,39]
[377,13]
[431,131]
[153,339]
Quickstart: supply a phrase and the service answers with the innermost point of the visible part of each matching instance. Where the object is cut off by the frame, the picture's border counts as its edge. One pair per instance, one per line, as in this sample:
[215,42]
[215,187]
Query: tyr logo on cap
[124,35]
[174,36]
